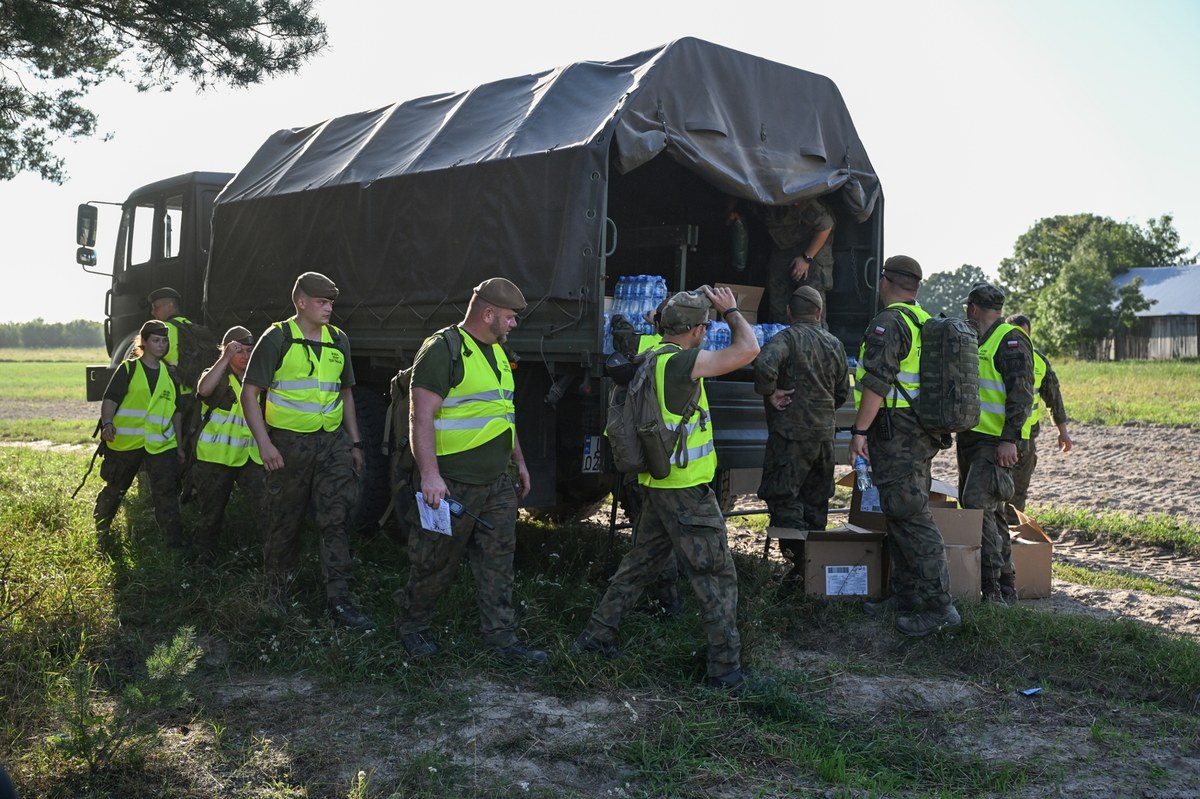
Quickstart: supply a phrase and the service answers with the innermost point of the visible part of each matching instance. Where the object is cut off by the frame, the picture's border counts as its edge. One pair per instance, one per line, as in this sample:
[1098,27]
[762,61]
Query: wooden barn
[1170,327]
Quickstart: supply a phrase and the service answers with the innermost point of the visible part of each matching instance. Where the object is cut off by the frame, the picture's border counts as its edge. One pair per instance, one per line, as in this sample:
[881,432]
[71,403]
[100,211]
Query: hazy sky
[980,118]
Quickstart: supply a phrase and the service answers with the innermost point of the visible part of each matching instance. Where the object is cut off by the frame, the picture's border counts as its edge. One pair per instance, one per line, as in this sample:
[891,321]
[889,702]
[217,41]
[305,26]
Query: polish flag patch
[1012,345]
[880,330]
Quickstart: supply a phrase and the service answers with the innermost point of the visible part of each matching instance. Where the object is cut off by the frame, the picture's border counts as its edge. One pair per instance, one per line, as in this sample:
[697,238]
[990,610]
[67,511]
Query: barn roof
[1174,290]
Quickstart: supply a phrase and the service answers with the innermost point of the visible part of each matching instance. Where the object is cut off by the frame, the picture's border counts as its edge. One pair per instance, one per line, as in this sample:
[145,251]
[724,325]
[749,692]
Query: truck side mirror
[85,227]
[85,256]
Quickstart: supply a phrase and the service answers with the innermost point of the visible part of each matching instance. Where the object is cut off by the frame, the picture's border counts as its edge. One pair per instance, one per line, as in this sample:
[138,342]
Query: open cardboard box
[1032,553]
[748,299]
[962,531]
[841,562]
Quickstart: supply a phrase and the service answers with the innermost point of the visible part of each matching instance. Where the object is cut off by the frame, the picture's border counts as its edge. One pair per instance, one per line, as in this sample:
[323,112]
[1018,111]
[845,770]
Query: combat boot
[738,683]
[344,614]
[516,651]
[420,644]
[917,625]
[991,591]
[884,607]
[586,644]
[1008,589]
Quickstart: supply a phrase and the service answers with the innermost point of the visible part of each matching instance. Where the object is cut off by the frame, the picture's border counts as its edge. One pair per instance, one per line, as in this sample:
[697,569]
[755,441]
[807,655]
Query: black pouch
[883,424]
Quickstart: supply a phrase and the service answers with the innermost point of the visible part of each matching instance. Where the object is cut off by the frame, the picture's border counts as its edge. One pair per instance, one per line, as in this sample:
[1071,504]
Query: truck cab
[162,239]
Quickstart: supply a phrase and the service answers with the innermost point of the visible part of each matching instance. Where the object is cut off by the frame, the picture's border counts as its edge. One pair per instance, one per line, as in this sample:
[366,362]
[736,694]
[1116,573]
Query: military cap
[903,265]
[153,328]
[685,310]
[985,295]
[314,284]
[237,333]
[809,295]
[166,292]
[502,293]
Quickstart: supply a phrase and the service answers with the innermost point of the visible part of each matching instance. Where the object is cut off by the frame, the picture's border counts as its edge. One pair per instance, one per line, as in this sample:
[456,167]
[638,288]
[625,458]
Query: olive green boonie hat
[502,293]
[314,284]
[684,311]
[985,295]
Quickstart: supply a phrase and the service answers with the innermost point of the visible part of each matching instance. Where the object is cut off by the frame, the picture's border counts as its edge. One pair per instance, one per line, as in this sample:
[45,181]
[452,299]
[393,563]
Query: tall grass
[1113,393]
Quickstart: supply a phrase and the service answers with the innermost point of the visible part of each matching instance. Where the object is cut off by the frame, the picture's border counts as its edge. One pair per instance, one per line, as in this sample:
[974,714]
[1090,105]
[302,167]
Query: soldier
[1045,386]
[138,419]
[308,440]
[987,452]
[225,451]
[183,362]
[680,512]
[888,434]
[802,255]
[464,440]
[803,378]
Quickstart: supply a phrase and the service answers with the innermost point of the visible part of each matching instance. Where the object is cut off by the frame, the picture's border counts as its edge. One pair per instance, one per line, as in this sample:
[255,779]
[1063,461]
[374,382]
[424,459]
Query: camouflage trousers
[214,485]
[797,483]
[318,468]
[119,468]
[900,468]
[434,558]
[781,284]
[985,485]
[1022,474]
[687,521]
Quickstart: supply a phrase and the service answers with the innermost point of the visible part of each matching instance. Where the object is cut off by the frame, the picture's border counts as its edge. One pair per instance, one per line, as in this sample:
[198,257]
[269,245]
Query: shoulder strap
[910,314]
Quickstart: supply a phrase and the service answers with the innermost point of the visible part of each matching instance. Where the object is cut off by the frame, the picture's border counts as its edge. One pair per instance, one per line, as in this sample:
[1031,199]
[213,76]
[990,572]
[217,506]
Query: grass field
[1159,392]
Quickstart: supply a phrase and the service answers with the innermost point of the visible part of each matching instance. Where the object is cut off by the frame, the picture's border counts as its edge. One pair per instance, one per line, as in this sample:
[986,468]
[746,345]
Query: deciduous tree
[53,51]
[942,292]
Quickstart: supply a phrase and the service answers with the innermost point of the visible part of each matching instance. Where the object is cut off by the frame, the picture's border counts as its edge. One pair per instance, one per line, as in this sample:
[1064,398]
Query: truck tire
[371,406]
[722,487]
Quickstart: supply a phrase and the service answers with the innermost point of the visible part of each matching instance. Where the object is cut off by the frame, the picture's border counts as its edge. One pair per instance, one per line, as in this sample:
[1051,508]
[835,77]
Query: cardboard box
[1032,553]
[748,299]
[962,531]
[841,562]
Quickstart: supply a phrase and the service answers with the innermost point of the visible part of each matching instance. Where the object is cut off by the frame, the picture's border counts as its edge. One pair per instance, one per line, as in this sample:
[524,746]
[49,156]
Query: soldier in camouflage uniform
[988,451]
[680,511]
[138,419]
[887,433]
[803,377]
[464,441]
[308,440]
[1045,384]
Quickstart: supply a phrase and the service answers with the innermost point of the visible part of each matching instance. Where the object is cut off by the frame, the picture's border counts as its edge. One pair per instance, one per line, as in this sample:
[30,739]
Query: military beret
[314,284]
[809,295]
[153,328]
[166,292]
[985,295]
[903,265]
[684,311]
[237,333]
[502,293]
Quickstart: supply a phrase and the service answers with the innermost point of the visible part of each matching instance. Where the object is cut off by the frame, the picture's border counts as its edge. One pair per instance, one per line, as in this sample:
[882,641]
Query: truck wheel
[371,406]
[723,488]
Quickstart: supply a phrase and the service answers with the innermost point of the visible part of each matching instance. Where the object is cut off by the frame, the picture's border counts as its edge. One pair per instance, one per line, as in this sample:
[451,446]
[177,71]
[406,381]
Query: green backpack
[949,398]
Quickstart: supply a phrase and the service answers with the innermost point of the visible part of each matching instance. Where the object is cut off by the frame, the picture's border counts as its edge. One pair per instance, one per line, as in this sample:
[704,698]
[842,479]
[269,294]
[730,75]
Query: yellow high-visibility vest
[479,408]
[992,392]
[909,374]
[142,419]
[305,394]
[701,451]
[225,438]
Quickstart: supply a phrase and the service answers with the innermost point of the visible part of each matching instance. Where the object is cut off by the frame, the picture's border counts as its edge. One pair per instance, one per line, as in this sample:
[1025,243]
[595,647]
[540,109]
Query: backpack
[198,348]
[637,434]
[949,398]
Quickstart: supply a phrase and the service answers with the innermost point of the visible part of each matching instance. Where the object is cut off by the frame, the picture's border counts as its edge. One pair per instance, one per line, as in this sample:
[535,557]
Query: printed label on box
[846,580]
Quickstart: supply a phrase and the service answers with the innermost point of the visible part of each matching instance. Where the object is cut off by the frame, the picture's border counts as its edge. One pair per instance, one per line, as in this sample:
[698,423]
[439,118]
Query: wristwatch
[854,431]
[357,445]
[808,258]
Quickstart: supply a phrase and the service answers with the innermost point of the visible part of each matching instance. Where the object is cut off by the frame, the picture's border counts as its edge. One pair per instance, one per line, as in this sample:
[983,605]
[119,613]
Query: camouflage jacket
[809,359]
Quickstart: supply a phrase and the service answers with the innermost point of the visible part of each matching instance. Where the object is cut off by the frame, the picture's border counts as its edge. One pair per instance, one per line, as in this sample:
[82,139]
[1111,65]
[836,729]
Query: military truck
[562,181]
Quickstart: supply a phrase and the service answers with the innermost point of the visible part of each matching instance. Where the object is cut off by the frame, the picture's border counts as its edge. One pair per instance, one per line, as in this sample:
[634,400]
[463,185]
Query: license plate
[593,456]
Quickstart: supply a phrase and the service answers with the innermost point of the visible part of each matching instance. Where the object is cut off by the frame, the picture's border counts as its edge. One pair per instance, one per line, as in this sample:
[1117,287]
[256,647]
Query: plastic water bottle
[608,338]
[863,471]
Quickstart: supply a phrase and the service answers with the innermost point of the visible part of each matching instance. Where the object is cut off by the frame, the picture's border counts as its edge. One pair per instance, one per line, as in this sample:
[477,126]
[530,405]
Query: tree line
[1060,276]
[42,334]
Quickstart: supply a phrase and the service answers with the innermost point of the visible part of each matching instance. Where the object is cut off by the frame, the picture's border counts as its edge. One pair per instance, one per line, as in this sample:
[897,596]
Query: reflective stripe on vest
[909,373]
[1040,367]
[992,393]
[225,438]
[480,407]
[305,394]
[701,452]
[143,420]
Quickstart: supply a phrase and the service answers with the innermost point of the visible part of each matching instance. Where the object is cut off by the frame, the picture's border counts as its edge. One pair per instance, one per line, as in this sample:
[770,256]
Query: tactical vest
[909,374]
[142,420]
[172,357]
[701,452]
[305,394]
[1040,367]
[480,407]
[225,437]
[992,393]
